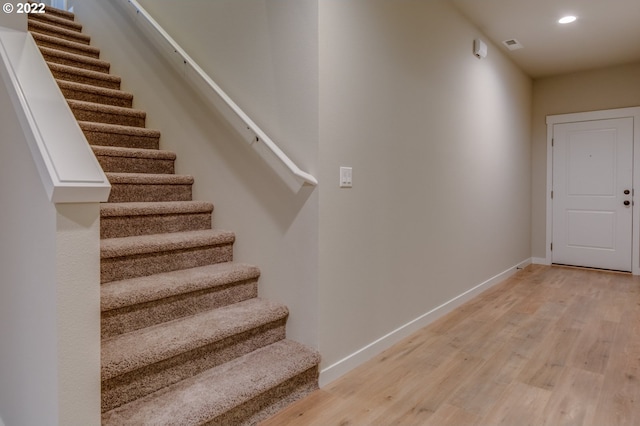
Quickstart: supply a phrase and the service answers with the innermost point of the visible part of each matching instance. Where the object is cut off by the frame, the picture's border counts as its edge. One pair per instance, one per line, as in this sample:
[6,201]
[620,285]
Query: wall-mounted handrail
[66,164]
[252,133]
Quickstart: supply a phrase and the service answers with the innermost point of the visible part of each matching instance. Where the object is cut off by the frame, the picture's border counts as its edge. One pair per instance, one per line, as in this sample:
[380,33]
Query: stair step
[77,61]
[131,257]
[138,187]
[52,19]
[129,219]
[136,303]
[134,160]
[89,93]
[44,40]
[57,31]
[239,392]
[57,12]
[79,75]
[100,113]
[101,134]
[138,363]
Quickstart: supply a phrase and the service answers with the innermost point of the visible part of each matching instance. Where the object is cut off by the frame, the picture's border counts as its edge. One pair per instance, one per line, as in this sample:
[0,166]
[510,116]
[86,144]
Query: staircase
[185,339]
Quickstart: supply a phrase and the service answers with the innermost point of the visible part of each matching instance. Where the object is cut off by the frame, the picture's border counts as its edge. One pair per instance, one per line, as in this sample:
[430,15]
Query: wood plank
[567,403]
[520,404]
[451,415]
[594,346]
[548,362]
[489,382]
[415,401]
[620,396]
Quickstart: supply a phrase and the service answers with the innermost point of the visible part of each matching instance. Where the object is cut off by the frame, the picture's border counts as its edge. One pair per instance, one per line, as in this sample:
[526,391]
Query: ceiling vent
[512,44]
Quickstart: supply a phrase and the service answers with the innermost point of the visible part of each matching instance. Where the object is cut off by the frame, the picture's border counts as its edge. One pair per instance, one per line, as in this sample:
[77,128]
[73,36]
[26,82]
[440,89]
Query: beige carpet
[185,339]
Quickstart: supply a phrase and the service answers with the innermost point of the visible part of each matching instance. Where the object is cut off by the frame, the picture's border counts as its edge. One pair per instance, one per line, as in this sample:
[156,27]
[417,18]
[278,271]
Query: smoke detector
[512,44]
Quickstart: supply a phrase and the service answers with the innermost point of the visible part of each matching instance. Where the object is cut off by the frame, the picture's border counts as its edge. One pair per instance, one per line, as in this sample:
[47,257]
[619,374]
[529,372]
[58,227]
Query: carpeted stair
[185,339]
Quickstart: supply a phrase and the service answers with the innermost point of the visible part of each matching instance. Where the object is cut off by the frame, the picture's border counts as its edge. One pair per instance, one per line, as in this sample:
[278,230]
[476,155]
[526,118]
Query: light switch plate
[346,177]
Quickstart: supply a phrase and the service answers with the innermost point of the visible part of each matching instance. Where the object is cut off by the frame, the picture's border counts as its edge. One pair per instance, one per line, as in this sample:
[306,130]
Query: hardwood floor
[549,346]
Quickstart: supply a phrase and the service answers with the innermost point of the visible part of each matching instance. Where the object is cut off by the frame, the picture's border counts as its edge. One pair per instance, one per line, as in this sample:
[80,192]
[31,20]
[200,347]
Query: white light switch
[346,177]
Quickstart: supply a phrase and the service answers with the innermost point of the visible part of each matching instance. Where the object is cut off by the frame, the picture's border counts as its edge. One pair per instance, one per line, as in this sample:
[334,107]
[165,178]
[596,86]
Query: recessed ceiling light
[567,19]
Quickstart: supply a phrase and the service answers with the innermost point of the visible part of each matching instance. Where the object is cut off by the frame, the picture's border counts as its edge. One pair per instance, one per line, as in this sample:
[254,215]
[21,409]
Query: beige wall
[78,312]
[263,53]
[49,290]
[28,349]
[439,142]
[14,20]
[614,87]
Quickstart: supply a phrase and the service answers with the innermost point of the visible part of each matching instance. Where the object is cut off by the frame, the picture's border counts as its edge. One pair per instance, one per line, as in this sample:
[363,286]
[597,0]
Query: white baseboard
[334,371]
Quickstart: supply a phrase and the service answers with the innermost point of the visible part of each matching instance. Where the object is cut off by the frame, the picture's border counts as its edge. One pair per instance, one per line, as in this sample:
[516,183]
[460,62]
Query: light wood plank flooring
[549,346]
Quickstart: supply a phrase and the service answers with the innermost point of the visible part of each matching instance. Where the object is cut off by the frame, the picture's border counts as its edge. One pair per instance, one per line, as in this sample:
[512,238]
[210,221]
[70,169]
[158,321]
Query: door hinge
[552,195]
[551,246]
[552,141]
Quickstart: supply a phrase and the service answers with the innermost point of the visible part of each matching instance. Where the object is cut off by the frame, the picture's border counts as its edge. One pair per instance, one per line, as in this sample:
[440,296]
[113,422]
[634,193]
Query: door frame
[634,113]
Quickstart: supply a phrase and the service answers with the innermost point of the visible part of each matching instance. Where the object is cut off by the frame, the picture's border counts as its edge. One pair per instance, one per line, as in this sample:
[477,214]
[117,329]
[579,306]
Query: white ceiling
[606,33]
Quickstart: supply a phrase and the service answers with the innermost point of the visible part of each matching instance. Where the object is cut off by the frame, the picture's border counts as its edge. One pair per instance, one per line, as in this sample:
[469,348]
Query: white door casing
[592,193]
[552,120]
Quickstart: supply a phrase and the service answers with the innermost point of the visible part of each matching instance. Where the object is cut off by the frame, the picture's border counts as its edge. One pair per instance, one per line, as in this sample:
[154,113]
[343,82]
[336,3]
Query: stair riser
[59,13]
[71,49]
[128,226]
[107,118]
[126,193]
[48,18]
[270,402]
[144,315]
[84,65]
[64,35]
[80,95]
[109,84]
[136,384]
[121,268]
[120,140]
[135,165]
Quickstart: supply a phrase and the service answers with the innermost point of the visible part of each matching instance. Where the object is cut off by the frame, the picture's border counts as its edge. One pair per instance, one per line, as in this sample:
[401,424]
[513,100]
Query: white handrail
[268,150]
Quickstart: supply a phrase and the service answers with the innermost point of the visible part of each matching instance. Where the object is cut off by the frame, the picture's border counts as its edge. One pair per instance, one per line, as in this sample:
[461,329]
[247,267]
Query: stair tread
[38,37]
[154,208]
[133,291]
[149,179]
[38,26]
[119,129]
[59,12]
[128,352]
[116,151]
[143,244]
[75,57]
[103,91]
[107,109]
[56,20]
[97,75]
[216,391]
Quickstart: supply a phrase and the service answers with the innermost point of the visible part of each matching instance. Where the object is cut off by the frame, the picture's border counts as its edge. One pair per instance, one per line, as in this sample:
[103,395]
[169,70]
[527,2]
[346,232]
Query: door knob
[626,202]
[627,192]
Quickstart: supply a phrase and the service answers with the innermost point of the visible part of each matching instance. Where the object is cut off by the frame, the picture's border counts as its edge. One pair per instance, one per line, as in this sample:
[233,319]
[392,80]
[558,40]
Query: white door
[592,193]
